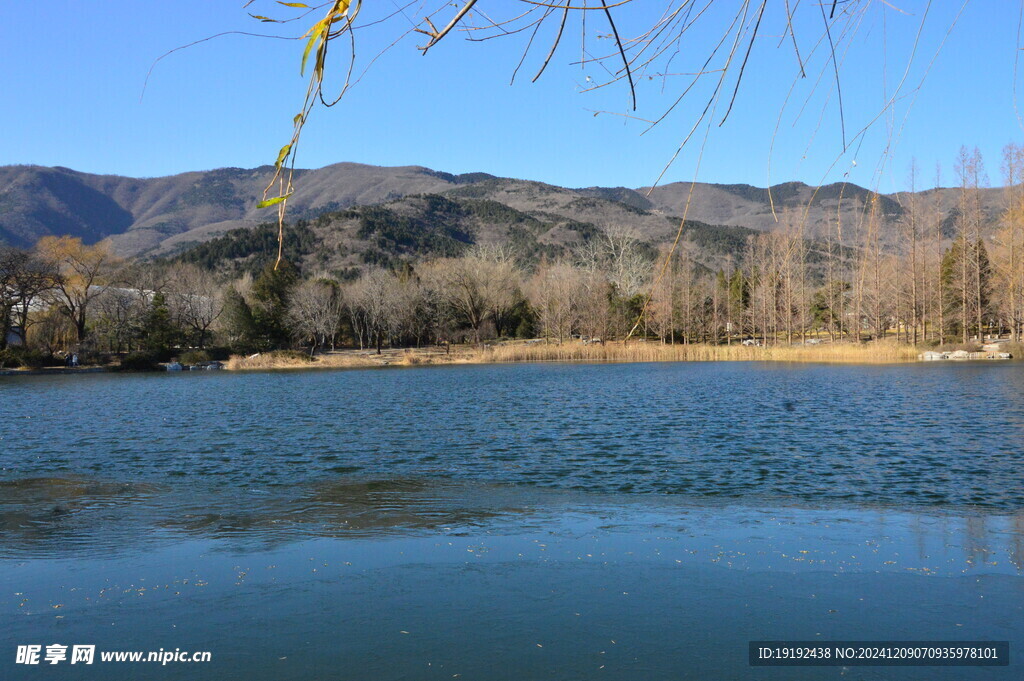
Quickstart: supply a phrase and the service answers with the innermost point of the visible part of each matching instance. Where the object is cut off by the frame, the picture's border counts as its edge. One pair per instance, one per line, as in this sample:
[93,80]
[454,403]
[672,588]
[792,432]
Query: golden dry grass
[635,351]
[268,360]
[882,353]
[352,359]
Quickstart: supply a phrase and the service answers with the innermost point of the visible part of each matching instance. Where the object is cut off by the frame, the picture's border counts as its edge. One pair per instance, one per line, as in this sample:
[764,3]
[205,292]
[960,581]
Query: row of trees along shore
[932,281]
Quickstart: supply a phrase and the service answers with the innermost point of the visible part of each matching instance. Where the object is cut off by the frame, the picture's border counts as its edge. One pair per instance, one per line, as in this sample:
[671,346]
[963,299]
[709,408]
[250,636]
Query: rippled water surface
[902,435]
[543,522]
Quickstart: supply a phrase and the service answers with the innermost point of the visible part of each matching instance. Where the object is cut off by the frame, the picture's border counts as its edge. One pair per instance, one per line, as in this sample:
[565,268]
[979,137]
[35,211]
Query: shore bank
[611,352]
[569,352]
[47,371]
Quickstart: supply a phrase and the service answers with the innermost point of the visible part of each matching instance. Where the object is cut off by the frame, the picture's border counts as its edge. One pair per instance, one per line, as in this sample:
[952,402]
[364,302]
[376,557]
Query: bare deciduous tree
[463,284]
[195,300]
[314,310]
[555,293]
[370,307]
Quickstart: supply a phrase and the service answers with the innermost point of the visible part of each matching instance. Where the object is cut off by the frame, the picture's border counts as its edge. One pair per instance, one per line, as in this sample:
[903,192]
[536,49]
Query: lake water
[511,522]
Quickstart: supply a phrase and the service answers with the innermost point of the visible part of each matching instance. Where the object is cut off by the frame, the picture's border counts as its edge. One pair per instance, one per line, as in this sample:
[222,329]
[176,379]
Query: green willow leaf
[271,202]
[313,40]
[282,155]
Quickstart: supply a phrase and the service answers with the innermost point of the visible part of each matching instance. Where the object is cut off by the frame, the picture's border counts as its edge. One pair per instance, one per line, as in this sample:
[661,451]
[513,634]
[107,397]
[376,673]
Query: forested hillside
[416,228]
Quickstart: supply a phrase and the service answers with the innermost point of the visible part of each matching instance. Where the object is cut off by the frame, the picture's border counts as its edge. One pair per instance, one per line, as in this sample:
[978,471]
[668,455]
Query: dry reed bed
[353,359]
[883,353]
[341,360]
[658,352]
[265,361]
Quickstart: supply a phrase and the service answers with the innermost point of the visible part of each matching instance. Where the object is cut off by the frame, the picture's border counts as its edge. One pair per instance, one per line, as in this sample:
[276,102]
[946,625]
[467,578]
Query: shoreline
[609,353]
[534,352]
[52,371]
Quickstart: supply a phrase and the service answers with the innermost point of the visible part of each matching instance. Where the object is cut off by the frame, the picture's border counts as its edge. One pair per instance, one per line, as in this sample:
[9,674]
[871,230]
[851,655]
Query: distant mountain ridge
[156,216]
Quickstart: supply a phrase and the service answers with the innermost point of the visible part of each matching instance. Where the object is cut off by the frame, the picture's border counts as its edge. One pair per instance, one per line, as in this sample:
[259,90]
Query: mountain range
[166,215]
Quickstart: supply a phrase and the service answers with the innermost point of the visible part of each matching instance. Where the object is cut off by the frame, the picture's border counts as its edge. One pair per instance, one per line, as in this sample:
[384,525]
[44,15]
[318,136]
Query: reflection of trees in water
[54,515]
[73,489]
[1017,542]
[57,514]
[976,540]
[920,533]
[348,508]
[76,516]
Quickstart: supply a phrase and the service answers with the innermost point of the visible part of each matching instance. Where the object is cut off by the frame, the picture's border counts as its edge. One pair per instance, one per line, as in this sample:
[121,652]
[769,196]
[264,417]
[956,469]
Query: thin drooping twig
[860,135]
[554,45]
[620,115]
[741,17]
[789,27]
[625,61]
[168,53]
[835,67]
[1016,63]
[500,25]
[743,66]
[583,35]
[654,35]
[435,35]
[557,6]
[702,71]
[348,76]
[778,122]
[529,44]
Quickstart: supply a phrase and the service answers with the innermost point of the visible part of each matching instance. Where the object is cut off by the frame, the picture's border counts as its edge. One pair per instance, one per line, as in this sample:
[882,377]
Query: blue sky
[74,74]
